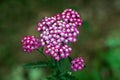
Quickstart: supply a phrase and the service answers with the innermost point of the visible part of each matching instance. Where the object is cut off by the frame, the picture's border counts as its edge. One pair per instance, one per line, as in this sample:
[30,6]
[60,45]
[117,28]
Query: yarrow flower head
[30,43]
[77,64]
[59,30]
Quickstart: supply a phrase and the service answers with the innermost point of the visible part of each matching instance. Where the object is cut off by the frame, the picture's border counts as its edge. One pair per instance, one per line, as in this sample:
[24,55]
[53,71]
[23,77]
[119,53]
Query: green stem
[57,68]
[58,65]
[70,59]
[41,51]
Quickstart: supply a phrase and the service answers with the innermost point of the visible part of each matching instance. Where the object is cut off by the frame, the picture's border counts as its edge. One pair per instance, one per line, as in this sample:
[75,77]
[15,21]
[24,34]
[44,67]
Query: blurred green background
[99,42]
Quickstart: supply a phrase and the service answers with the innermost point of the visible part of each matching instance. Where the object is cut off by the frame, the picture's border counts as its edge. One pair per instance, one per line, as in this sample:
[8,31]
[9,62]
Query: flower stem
[70,59]
[41,52]
[57,68]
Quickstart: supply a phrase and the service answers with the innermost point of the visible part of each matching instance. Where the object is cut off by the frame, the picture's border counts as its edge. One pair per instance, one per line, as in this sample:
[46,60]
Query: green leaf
[40,64]
[51,78]
[73,78]
[63,73]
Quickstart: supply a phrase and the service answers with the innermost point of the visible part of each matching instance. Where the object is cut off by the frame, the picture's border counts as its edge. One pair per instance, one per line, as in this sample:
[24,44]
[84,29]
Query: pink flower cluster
[30,43]
[71,16]
[58,51]
[58,31]
[77,64]
[67,16]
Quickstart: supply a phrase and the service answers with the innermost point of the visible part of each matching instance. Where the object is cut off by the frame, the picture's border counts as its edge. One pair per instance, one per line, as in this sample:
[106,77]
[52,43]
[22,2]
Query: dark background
[99,42]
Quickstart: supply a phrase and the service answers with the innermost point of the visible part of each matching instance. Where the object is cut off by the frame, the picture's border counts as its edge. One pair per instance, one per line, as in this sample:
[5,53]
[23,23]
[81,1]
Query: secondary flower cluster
[56,32]
[30,43]
[77,64]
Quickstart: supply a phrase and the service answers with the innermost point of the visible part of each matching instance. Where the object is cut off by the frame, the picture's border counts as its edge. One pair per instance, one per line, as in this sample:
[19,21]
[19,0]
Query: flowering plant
[55,34]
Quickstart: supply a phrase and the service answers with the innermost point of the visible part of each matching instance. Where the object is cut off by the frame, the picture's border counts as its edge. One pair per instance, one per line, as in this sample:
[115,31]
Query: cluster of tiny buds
[30,43]
[77,64]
